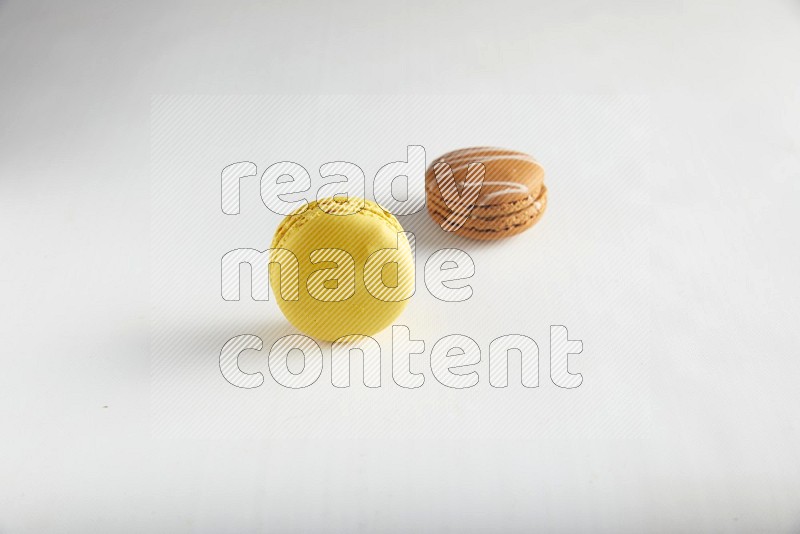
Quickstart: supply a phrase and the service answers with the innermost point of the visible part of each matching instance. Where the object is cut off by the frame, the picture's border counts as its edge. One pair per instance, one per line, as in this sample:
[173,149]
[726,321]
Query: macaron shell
[334,206]
[512,197]
[360,235]
[508,175]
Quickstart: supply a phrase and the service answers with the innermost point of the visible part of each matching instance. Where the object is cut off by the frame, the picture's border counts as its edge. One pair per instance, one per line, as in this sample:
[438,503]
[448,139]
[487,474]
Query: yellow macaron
[341,267]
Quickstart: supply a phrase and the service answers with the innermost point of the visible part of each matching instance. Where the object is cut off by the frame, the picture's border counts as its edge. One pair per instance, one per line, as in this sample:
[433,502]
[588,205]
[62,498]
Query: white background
[587,268]
[78,449]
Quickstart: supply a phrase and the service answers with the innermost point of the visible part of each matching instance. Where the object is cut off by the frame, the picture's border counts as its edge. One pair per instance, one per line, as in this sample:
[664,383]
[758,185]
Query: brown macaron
[503,197]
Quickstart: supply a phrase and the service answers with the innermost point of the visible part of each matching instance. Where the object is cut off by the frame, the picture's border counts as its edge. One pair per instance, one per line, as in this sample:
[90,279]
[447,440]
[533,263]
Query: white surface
[724,87]
[585,267]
